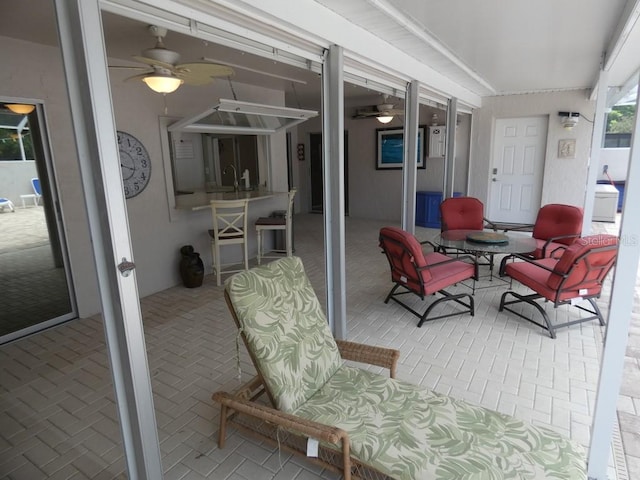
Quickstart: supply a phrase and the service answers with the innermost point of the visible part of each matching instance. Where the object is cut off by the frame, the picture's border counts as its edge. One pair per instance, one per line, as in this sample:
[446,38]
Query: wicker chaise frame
[290,432]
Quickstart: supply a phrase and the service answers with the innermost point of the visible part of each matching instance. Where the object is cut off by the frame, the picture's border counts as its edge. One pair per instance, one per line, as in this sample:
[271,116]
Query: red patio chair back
[405,256]
[558,220]
[461,213]
[584,265]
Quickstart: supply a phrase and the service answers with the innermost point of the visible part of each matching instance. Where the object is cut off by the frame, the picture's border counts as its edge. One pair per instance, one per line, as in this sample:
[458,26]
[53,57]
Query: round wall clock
[134,163]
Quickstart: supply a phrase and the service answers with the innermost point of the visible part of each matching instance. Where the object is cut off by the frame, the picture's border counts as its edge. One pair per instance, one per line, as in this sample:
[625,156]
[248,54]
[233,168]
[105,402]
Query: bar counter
[201,200]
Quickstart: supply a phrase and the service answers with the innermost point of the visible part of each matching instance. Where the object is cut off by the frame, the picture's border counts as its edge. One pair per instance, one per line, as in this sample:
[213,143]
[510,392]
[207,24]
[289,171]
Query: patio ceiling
[495,47]
[490,47]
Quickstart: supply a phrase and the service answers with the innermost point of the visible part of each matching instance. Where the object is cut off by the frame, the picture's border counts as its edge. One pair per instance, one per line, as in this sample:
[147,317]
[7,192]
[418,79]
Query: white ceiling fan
[164,74]
[384,112]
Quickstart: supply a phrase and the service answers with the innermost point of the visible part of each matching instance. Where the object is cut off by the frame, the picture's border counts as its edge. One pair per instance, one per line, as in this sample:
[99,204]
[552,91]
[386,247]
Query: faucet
[235,177]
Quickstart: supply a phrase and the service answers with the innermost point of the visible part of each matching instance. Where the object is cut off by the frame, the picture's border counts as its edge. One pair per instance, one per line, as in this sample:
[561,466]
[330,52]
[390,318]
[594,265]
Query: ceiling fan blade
[126,67]
[152,62]
[196,80]
[366,114]
[207,69]
[138,77]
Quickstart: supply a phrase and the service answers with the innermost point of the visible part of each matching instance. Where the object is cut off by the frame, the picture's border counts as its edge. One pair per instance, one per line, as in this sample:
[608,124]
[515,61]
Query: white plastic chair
[229,228]
[35,196]
[6,203]
[277,223]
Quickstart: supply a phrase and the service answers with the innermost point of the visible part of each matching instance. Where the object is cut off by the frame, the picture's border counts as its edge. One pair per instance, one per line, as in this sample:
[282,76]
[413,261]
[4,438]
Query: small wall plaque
[567,148]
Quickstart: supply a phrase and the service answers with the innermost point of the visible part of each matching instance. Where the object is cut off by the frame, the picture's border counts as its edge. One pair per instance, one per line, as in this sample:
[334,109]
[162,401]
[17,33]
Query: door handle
[494,179]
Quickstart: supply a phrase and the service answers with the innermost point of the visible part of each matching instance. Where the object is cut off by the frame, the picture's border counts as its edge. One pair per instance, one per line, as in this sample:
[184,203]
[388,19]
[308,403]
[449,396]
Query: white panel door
[519,147]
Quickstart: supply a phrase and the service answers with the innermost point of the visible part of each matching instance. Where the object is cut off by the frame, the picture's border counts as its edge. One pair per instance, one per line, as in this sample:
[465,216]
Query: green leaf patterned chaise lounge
[368,425]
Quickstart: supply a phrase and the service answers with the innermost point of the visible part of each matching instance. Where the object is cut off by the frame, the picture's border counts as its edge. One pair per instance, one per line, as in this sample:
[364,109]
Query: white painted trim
[409,170]
[620,310]
[596,146]
[85,64]
[333,184]
[419,32]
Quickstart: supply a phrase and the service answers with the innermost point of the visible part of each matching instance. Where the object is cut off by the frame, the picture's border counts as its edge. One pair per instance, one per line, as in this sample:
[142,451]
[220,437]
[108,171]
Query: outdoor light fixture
[385,118]
[569,119]
[162,83]
[20,108]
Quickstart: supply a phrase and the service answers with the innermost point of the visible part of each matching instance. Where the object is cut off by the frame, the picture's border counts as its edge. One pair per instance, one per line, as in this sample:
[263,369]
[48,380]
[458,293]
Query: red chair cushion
[402,247]
[462,213]
[532,276]
[585,274]
[584,277]
[401,250]
[555,220]
[445,275]
[553,249]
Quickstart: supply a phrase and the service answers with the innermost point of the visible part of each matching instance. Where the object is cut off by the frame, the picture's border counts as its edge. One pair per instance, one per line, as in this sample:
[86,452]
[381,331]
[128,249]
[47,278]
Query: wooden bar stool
[229,228]
[277,223]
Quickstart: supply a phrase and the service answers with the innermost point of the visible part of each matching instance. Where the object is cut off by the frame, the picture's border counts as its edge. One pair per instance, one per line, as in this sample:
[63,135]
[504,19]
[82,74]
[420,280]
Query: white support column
[596,146]
[333,169]
[620,308]
[85,64]
[409,171]
[450,149]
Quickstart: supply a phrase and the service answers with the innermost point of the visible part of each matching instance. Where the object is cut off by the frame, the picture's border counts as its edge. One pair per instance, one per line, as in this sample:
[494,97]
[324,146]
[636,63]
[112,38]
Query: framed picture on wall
[390,148]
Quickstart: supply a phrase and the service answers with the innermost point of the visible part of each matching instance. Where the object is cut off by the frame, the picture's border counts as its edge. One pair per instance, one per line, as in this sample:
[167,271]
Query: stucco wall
[564,180]
[35,71]
[617,162]
[15,180]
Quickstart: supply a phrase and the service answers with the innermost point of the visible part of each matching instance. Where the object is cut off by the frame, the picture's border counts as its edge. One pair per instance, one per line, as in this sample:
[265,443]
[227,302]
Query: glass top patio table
[458,239]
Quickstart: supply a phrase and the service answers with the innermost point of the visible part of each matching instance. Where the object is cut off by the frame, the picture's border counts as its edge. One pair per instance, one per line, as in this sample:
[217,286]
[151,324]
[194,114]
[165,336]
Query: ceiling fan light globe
[162,84]
[385,118]
[20,108]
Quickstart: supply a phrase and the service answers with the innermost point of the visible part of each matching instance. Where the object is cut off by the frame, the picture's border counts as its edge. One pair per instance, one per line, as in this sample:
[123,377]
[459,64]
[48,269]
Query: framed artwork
[390,148]
[567,148]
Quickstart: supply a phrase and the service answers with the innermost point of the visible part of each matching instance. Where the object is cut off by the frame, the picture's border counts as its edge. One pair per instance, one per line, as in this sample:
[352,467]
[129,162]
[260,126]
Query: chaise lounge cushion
[286,330]
[404,431]
[409,432]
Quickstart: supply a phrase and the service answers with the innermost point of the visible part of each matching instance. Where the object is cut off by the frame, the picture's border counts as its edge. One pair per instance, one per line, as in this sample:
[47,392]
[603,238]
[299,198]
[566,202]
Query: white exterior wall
[617,161]
[35,71]
[15,180]
[564,180]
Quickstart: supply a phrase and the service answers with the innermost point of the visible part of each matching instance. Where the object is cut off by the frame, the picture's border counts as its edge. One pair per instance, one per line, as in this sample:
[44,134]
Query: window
[15,138]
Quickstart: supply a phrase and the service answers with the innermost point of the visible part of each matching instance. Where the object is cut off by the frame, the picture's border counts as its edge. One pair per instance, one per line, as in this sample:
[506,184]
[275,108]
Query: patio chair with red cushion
[575,276]
[557,226]
[414,272]
[462,213]
[465,213]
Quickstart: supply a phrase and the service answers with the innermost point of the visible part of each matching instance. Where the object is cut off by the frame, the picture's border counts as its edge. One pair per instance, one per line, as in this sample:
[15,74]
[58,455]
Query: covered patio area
[60,420]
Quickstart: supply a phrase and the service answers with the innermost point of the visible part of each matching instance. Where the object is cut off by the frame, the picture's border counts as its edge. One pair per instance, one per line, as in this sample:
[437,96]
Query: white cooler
[605,205]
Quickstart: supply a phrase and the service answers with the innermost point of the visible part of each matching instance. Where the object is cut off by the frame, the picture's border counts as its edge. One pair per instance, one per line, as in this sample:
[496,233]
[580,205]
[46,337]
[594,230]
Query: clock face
[134,163]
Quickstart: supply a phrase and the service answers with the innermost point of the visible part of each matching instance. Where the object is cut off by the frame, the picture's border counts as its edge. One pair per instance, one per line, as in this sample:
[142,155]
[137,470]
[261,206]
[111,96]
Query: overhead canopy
[242,118]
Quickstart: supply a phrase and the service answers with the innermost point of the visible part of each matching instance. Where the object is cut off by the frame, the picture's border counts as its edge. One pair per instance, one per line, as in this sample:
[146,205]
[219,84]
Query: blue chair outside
[35,183]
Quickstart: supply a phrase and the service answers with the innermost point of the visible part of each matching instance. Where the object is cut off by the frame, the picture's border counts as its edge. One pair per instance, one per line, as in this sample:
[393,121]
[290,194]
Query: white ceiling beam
[626,23]
[311,20]
[420,32]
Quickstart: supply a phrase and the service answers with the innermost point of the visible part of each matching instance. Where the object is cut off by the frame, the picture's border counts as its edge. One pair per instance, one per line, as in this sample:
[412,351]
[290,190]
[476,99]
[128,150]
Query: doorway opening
[37,291]
[317,186]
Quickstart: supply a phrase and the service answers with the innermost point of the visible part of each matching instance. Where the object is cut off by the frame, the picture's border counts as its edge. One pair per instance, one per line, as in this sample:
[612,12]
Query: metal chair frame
[531,298]
[424,317]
